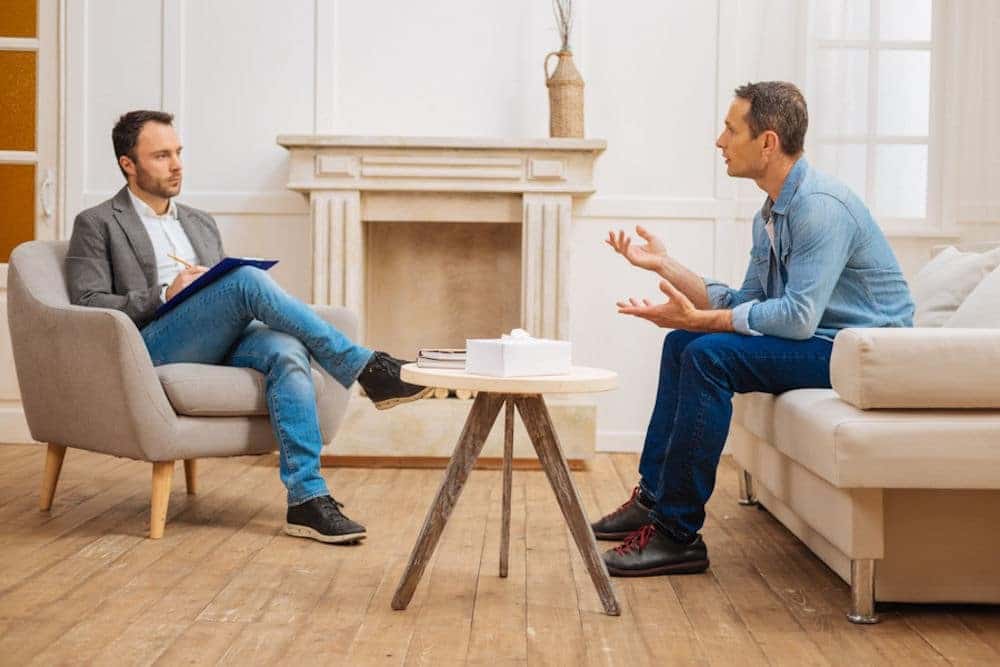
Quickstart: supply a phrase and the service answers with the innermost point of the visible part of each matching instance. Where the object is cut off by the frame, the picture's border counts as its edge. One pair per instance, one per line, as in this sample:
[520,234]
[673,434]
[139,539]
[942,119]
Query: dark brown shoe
[649,552]
[627,519]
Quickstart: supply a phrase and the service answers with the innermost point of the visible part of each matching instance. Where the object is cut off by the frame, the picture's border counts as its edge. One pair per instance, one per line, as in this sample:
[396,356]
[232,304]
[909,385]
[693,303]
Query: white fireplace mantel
[353,179]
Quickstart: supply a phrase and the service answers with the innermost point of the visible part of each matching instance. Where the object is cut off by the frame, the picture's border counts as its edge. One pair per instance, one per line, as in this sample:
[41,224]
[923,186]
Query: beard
[161,187]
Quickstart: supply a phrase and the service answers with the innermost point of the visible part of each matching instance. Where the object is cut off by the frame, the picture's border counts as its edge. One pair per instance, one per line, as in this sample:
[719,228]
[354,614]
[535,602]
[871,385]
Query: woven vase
[565,96]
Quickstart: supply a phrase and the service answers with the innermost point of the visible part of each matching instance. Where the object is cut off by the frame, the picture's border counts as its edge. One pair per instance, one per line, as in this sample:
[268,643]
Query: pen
[178,259]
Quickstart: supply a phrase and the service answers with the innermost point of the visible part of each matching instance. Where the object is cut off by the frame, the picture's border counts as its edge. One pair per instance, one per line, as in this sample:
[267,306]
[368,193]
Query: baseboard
[484,463]
[620,441]
[13,427]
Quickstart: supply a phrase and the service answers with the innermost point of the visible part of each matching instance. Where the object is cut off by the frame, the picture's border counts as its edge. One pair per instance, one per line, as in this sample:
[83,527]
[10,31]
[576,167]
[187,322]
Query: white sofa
[893,476]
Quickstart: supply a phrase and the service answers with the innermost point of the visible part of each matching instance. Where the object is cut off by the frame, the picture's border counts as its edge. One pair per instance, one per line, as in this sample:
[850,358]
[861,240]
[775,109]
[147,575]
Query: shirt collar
[145,211]
[788,188]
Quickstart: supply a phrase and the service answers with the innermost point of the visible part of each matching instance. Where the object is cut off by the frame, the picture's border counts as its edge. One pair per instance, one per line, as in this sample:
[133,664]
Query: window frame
[938,218]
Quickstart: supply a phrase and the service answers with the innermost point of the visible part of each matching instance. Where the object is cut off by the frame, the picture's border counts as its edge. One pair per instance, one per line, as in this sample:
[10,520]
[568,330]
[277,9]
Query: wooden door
[29,110]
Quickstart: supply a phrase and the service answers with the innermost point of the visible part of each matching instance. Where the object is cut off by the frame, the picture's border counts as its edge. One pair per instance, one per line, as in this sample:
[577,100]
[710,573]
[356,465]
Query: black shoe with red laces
[649,552]
[630,517]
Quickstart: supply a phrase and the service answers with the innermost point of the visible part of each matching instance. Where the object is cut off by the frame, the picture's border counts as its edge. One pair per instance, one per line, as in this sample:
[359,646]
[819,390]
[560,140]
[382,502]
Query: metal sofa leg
[747,496]
[863,592]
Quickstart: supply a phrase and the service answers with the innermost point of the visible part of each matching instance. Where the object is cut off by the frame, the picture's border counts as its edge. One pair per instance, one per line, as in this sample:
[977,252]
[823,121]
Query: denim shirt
[830,267]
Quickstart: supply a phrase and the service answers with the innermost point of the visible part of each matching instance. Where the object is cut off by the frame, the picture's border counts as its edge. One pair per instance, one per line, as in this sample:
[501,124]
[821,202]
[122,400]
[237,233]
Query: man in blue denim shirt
[819,264]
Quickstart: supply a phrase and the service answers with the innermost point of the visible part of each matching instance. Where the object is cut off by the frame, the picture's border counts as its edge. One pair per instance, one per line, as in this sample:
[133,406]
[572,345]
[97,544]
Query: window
[872,108]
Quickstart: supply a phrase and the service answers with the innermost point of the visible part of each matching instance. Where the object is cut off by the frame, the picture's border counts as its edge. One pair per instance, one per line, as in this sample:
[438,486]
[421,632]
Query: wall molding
[706,209]
[620,441]
[266,202]
[978,211]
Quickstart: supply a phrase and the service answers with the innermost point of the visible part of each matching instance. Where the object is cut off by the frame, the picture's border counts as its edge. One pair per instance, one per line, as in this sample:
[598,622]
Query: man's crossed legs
[699,373]
[246,320]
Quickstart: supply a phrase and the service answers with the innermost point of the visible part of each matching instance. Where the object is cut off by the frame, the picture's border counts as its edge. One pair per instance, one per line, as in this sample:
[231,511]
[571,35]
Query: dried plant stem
[563,10]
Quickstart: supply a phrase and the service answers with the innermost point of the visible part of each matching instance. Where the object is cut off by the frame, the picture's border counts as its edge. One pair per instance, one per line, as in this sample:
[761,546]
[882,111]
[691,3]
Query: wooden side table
[525,393]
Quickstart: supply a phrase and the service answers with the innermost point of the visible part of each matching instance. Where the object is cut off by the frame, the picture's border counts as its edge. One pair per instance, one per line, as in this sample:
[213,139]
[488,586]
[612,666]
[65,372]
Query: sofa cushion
[979,310]
[755,412]
[941,286]
[203,390]
[930,449]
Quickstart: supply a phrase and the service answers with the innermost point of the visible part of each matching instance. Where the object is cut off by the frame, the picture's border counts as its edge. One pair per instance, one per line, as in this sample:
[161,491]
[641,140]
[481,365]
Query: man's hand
[677,312]
[183,279]
[649,256]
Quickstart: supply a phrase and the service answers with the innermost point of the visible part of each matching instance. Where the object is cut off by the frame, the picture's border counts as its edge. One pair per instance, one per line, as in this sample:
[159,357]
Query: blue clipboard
[223,267]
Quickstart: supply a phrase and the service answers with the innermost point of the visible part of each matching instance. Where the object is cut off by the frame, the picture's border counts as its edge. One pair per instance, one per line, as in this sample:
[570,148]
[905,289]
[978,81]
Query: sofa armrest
[917,368]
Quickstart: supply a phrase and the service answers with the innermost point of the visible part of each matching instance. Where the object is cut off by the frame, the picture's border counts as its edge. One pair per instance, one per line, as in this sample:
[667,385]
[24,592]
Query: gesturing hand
[677,312]
[648,256]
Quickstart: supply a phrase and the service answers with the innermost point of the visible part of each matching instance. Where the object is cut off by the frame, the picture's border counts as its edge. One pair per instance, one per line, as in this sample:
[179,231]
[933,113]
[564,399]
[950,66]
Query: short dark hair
[126,131]
[778,106]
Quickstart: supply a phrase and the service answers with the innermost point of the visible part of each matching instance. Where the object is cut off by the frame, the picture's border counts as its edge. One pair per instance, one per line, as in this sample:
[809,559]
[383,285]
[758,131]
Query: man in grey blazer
[121,255]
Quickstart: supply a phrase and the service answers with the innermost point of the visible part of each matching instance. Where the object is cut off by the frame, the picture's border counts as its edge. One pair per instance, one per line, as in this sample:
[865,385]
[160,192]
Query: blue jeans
[246,320]
[699,373]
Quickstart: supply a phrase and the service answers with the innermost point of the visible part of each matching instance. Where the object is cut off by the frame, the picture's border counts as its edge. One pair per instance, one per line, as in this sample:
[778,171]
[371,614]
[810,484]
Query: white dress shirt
[168,237]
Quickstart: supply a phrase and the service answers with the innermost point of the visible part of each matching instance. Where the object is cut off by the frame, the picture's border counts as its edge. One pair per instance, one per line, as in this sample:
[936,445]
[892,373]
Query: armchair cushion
[203,390]
[917,368]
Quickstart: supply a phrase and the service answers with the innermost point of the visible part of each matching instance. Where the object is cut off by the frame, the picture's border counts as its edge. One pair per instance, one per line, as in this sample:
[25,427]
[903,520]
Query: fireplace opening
[435,284]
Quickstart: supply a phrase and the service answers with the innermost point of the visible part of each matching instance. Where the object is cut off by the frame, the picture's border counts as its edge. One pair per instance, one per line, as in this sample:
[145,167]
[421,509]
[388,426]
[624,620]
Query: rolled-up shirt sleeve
[722,296]
[824,235]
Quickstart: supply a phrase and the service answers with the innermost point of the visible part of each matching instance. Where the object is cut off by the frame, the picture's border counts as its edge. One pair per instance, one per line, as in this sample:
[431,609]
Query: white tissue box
[516,356]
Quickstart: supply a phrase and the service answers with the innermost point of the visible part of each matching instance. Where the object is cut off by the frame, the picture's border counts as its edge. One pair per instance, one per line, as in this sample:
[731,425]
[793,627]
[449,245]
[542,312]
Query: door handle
[47,193]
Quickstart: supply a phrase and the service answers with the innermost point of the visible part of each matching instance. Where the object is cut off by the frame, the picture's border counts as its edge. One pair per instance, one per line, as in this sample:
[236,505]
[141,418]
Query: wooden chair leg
[163,475]
[470,444]
[189,476]
[53,466]
[508,455]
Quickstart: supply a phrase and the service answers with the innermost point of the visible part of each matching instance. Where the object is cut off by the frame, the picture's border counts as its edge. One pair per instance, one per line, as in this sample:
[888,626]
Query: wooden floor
[82,585]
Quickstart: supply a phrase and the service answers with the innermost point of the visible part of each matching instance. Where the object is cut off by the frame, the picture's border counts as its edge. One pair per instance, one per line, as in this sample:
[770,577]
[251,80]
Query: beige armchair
[87,381]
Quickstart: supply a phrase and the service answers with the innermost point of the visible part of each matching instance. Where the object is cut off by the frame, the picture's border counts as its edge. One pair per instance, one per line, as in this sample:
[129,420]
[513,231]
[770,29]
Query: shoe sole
[691,567]
[313,534]
[393,402]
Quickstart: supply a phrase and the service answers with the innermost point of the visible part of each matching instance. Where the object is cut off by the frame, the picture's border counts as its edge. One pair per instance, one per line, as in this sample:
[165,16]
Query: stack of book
[451,358]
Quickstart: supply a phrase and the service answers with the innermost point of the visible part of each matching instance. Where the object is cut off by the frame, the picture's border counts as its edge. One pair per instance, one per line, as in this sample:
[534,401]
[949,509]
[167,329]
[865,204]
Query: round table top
[580,379]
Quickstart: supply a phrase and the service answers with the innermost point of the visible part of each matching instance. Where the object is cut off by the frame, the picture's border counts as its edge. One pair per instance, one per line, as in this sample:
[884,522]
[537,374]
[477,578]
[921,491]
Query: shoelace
[637,540]
[633,498]
[330,500]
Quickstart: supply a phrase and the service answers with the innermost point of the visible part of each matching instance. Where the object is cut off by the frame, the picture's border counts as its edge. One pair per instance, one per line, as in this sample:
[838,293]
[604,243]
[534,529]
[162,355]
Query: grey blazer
[111,263]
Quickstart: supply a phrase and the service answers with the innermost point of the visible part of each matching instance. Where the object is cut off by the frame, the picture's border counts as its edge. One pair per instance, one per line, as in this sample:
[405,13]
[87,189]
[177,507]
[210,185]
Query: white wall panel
[122,60]
[628,345]
[650,73]
[448,67]
[248,76]
[977,94]
[282,237]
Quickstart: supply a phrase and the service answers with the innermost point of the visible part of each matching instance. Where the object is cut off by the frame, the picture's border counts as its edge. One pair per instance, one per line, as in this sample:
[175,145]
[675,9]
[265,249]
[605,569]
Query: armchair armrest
[917,368]
[332,404]
[87,381]
[345,320]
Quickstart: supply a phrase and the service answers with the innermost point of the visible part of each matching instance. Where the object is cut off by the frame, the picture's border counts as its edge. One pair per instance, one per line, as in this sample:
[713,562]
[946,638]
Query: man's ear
[126,164]
[772,144]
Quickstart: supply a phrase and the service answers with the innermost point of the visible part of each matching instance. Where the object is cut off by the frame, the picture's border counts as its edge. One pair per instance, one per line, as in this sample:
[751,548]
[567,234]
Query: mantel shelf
[454,143]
